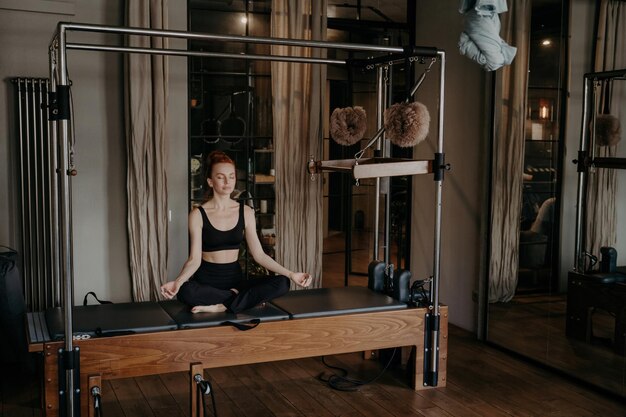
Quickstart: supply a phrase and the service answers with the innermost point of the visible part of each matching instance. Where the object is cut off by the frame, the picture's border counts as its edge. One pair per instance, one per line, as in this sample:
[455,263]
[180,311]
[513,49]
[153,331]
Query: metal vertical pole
[581,201]
[43,192]
[380,108]
[21,145]
[439,191]
[431,345]
[37,193]
[54,192]
[386,181]
[65,214]
[28,213]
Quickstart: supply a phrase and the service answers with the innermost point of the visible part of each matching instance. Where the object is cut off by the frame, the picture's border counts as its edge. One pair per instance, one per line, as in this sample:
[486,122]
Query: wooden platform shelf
[373,167]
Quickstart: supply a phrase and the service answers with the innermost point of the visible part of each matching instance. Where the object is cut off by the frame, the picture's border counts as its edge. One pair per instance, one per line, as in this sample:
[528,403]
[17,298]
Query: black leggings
[212,284]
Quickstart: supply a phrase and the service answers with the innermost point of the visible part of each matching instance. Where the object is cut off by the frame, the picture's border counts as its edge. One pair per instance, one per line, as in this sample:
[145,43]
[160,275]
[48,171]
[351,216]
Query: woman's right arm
[170,289]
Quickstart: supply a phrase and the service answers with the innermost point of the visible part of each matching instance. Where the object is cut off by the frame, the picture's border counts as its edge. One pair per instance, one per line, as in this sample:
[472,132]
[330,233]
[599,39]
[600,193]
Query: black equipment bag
[12,309]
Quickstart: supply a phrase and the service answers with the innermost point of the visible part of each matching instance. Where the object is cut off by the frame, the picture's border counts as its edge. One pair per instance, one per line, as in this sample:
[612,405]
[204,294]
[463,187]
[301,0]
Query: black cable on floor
[343,383]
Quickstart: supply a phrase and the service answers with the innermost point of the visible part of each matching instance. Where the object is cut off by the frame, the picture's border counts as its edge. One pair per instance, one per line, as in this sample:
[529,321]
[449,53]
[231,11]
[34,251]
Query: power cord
[343,383]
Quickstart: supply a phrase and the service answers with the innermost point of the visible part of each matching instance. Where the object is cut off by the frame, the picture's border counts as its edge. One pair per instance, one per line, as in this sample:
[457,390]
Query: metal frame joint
[59,103]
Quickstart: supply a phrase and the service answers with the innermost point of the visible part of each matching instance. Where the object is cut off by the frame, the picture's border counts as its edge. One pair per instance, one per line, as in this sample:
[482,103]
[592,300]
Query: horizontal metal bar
[234,38]
[181,52]
[620,73]
[413,51]
[615,163]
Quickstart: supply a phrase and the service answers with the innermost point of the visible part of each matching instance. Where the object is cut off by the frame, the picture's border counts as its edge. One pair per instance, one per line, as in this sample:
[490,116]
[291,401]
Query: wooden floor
[542,338]
[482,381]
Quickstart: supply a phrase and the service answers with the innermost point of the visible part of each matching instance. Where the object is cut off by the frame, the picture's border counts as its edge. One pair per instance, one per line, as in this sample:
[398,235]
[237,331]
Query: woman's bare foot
[215,308]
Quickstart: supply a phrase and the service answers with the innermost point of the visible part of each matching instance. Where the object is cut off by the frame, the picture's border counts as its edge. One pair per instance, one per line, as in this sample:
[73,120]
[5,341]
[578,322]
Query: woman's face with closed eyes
[223,178]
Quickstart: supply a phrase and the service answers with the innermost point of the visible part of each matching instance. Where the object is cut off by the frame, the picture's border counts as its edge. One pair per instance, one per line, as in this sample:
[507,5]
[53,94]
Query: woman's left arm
[256,250]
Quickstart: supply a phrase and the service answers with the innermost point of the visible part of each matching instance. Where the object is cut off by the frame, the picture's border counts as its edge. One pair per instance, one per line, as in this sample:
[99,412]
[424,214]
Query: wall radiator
[36,162]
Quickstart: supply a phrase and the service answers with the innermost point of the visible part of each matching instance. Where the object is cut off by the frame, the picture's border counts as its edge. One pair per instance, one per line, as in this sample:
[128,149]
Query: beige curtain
[297,91]
[508,155]
[602,184]
[146,120]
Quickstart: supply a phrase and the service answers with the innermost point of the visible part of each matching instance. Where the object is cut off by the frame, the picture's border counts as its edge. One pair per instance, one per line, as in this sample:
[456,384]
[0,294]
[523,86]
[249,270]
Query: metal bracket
[431,349]
[439,166]
[583,162]
[59,103]
[69,361]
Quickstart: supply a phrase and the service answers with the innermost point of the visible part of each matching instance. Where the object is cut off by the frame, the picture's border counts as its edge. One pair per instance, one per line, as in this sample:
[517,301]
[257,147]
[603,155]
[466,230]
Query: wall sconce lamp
[545,109]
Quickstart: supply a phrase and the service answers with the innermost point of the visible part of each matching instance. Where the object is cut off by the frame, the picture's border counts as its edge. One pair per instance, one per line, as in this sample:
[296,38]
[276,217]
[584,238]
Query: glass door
[556,317]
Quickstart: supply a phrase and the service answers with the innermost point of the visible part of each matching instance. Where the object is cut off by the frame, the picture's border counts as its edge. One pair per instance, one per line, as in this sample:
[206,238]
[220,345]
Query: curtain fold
[297,92]
[508,156]
[146,87]
[601,219]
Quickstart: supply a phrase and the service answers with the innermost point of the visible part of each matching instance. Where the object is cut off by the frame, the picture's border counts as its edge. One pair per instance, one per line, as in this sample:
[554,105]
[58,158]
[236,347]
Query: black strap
[205,217]
[243,327]
[96,297]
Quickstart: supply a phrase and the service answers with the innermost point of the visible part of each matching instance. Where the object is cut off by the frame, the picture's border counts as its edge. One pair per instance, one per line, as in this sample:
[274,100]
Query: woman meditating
[211,279]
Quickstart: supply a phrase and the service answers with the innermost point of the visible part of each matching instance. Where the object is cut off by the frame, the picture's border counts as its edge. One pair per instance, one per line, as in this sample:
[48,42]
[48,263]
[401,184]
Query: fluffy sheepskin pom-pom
[608,130]
[347,125]
[406,124]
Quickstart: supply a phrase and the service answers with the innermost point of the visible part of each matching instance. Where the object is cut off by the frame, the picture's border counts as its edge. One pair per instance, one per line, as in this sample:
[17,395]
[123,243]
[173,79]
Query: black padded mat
[185,319]
[111,320]
[322,302]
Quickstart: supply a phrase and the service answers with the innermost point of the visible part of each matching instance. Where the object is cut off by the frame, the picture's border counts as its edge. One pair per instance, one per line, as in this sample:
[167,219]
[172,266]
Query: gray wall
[99,190]
[466,138]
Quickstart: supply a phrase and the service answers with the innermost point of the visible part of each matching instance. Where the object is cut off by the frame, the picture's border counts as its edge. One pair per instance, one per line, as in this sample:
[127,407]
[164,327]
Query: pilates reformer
[589,288]
[166,337]
[83,346]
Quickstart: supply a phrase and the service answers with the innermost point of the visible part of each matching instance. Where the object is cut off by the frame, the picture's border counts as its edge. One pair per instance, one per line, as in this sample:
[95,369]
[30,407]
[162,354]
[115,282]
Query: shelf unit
[230,110]
[538,263]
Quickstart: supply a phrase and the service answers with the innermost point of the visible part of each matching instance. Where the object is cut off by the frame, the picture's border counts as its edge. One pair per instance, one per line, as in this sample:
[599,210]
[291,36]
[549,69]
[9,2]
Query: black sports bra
[214,240]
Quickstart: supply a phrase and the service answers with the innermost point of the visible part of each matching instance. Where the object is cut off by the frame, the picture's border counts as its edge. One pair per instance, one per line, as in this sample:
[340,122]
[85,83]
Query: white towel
[481,39]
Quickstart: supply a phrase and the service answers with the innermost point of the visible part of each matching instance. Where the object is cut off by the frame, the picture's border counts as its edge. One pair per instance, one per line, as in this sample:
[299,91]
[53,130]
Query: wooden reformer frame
[84,363]
[196,349]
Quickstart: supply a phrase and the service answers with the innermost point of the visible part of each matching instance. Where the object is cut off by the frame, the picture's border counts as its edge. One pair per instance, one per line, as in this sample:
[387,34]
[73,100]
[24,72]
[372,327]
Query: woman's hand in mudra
[302,278]
[169,289]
